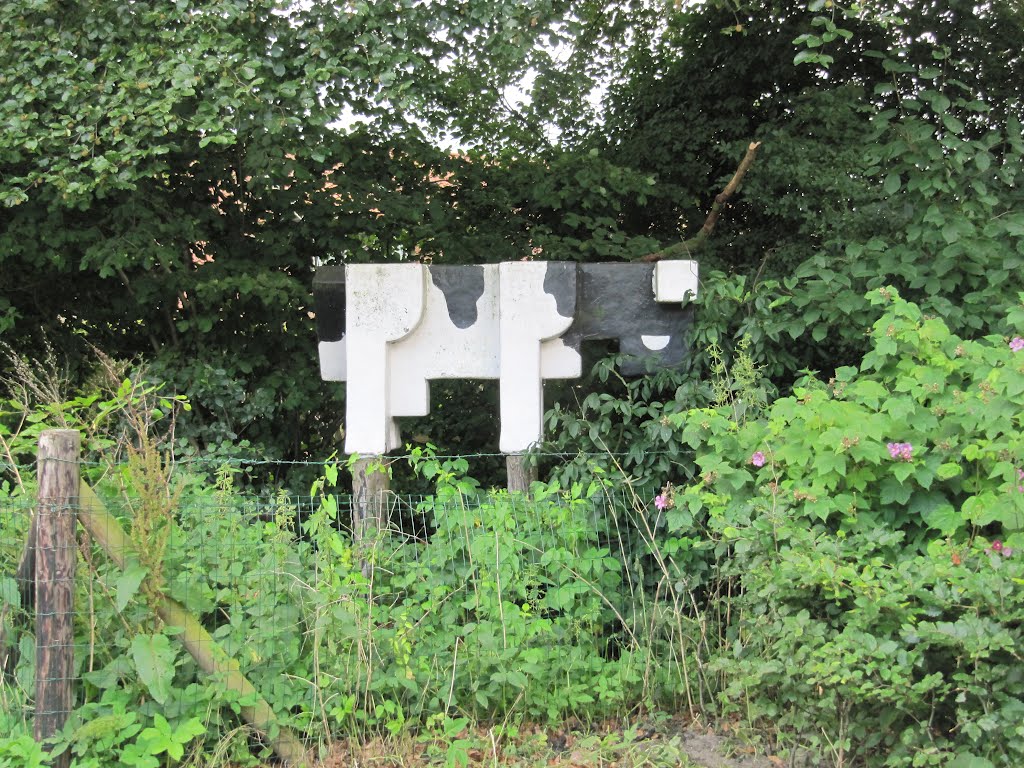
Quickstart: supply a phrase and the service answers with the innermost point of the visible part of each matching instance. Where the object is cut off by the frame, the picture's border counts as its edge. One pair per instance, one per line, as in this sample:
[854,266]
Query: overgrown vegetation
[841,574]
[812,531]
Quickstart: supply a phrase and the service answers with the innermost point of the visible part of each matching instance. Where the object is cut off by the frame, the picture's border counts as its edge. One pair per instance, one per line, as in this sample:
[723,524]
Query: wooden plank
[56,554]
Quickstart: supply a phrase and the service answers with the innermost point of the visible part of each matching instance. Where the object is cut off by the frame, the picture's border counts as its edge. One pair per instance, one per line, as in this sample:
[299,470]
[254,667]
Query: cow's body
[388,329]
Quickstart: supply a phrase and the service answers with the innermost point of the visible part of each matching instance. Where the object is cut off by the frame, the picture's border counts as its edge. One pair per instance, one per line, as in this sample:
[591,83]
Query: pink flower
[901,451]
[997,548]
[757,459]
[666,499]
[1017,344]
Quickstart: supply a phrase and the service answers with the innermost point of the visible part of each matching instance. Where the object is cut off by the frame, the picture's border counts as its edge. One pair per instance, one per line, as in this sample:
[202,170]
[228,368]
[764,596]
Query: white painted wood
[401,333]
[332,360]
[384,303]
[441,350]
[559,361]
[674,279]
[654,343]
[528,316]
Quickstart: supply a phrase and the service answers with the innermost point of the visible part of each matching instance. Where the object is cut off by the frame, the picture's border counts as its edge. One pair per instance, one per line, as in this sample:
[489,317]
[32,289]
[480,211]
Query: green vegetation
[811,532]
[842,576]
[171,177]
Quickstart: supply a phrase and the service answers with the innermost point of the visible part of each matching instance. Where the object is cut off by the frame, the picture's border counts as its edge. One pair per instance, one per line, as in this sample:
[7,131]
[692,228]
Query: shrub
[870,527]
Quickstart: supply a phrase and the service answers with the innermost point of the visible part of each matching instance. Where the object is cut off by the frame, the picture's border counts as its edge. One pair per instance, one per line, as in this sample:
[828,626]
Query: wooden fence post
[56,553]
[520,472]
[370,483]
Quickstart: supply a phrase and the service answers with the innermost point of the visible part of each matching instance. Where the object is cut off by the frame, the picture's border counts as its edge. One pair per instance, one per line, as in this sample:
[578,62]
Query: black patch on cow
[329,303]
[560,281]
[616,301]
[462,288]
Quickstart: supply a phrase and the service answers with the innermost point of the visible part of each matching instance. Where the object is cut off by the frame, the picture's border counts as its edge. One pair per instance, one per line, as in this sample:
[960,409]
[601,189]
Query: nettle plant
[870,530]
[461,616]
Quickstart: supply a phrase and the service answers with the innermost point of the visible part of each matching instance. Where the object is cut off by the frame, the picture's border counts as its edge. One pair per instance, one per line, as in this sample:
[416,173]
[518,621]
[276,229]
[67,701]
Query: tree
[171,175]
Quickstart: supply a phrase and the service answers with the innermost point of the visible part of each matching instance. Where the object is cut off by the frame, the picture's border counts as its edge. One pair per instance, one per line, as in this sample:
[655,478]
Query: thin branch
[687,247]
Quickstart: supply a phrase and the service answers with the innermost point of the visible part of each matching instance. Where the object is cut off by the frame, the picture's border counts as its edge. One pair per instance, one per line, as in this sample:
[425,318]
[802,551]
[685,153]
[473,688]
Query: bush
[871,527]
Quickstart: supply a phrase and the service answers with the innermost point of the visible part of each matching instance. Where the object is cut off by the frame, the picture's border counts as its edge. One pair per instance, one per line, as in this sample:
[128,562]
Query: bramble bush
[869,529]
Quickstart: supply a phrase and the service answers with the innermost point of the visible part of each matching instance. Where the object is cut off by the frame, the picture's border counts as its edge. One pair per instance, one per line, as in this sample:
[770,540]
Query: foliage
[870,528]
[187,168]
[456,616]
[117,408]
[513,580]
[842,569]
[206,175]
[892,171]
[840,566]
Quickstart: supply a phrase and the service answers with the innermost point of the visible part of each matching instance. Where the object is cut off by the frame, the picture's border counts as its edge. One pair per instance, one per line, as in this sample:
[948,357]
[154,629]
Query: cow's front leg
[384,303]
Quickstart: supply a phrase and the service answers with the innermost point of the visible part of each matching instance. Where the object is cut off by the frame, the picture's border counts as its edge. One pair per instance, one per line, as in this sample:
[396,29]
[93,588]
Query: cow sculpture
[388,329]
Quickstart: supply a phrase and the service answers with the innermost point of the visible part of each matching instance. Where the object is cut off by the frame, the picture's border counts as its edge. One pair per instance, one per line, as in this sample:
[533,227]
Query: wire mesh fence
[204,603]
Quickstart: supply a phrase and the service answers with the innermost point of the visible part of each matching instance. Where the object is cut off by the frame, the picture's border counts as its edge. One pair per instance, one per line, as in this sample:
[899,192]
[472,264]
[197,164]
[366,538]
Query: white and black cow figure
[388,329]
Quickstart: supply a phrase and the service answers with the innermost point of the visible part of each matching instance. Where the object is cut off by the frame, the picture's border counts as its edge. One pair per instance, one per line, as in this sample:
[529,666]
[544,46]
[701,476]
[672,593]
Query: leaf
[9,593]
[892,183]
[154,663]
[128,583]
[805,57]
[969,760]
[893,491]
[188,730]
[937,513]
[952,124]
[1014,223]
[902,471]
[987,507]
[111,675]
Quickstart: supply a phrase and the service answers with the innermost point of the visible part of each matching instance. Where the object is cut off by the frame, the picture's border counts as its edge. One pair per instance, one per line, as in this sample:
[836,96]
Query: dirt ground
[655,744]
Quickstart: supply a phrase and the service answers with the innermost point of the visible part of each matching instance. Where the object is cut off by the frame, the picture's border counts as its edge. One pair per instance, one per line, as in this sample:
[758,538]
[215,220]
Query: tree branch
[687,247]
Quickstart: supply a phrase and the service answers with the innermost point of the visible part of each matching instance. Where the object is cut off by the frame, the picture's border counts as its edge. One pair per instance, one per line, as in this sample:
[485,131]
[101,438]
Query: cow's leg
[537,302]
[384,303]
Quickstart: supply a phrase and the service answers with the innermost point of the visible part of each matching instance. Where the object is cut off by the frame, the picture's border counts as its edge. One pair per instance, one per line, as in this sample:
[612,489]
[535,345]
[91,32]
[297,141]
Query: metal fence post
[56,554]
